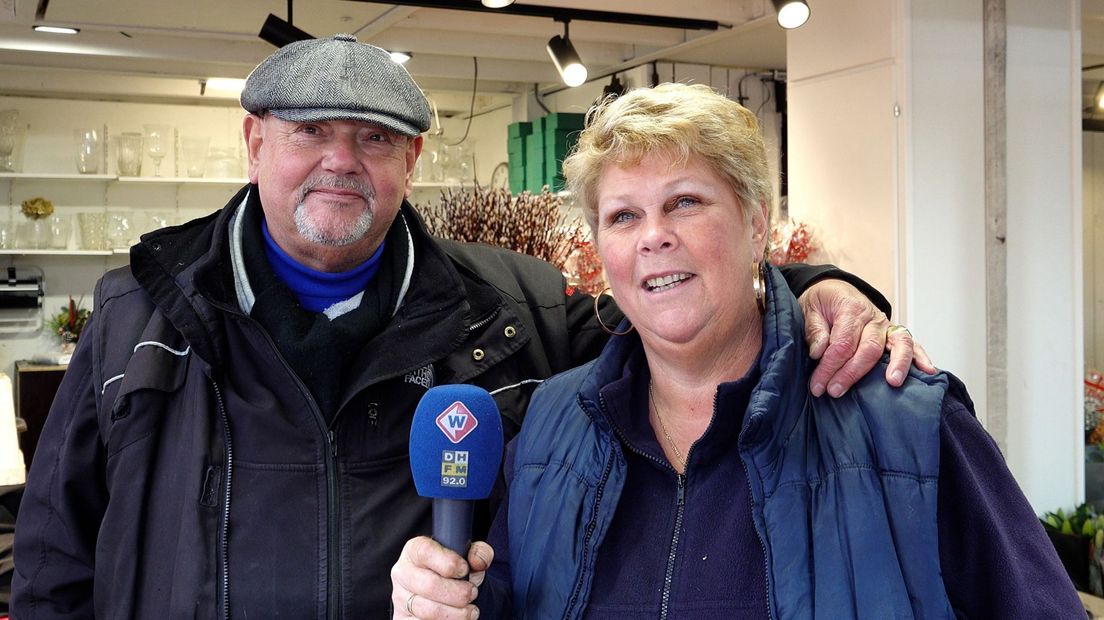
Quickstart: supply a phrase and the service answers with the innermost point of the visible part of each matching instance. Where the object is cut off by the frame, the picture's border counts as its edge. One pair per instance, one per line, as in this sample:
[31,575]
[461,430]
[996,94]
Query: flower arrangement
[70,321]
[790,242]
[533,224]
[37,208]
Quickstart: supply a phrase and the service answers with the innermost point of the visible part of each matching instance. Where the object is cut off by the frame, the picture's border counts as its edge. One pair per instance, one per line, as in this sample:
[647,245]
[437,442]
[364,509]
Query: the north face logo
[457,422]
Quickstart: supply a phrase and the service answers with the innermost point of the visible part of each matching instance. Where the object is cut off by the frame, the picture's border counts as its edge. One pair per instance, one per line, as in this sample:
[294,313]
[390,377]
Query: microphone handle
[452,524]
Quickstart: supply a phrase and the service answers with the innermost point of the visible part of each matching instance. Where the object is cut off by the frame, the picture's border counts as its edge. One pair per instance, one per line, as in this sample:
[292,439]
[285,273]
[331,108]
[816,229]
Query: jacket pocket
[142,395]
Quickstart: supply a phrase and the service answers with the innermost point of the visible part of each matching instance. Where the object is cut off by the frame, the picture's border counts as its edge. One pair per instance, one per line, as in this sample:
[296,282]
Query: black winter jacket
[186,472]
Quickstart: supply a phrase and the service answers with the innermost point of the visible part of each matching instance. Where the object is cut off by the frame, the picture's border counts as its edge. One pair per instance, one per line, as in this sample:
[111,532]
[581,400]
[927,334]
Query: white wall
[49,148]
[902,202]
[943,157]
[843,137]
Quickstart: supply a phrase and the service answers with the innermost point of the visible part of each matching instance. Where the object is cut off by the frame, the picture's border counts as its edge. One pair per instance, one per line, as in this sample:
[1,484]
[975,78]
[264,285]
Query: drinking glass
[59,231]
[93,230]
[89,150]
[130,154]
[194,151]
[119,228]
[158,141]
[12,133]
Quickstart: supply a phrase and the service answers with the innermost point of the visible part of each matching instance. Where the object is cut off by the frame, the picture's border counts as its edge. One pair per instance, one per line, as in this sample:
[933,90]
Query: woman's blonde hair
[684,121]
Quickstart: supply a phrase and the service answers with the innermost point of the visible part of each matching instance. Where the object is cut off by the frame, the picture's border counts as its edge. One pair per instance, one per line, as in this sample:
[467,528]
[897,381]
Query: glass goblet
[157,140]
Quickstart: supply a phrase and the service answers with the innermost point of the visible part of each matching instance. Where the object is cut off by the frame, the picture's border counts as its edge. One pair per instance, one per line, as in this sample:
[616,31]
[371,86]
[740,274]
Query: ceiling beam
[561,14]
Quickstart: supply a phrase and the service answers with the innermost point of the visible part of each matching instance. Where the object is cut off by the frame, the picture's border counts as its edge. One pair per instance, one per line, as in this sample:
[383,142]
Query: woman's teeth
[666,282]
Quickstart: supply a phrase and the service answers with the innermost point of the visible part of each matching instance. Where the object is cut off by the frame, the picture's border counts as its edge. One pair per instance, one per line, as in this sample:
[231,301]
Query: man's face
[330,189]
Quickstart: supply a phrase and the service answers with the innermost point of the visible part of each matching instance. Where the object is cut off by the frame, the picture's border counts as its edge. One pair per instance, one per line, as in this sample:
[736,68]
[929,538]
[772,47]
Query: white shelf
[184,180]
[30,252]
[48,176]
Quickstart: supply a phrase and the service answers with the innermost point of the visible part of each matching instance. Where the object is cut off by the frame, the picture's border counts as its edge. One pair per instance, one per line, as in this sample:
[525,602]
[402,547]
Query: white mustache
[366,191]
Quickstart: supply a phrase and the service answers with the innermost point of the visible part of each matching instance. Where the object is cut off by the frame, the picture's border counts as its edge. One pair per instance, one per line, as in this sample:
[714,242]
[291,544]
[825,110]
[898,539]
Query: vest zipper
[224,534]
[591,524]
[751,507]
[668,577]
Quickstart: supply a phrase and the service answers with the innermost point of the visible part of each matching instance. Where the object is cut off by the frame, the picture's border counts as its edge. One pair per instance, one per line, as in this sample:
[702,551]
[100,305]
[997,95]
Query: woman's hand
[848,334]
[430,581]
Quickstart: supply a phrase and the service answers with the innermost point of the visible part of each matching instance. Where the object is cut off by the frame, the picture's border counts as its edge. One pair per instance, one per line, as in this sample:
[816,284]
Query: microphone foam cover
[456,443]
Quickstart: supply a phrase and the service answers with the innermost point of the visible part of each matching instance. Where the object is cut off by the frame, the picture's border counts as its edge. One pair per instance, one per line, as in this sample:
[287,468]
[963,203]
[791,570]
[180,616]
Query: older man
[231,437]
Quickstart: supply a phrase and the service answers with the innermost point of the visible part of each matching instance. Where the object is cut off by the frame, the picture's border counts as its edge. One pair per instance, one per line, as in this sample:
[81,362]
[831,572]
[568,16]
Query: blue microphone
[455,455]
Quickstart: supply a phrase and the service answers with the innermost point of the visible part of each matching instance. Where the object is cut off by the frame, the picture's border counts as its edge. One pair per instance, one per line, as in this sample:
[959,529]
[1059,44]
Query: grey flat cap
[338,78]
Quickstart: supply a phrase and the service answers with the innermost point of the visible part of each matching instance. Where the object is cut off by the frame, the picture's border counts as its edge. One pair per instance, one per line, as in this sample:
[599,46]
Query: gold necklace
[663,427]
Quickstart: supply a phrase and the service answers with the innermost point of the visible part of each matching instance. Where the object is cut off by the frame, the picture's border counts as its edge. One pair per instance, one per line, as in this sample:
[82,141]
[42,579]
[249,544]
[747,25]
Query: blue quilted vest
[844,490]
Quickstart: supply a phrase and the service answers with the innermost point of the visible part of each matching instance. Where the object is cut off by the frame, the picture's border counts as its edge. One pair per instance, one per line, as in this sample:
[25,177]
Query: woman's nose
[656,235]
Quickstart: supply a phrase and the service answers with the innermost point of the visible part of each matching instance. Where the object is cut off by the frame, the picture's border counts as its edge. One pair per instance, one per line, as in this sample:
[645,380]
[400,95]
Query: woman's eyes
[622,216]
[686,201]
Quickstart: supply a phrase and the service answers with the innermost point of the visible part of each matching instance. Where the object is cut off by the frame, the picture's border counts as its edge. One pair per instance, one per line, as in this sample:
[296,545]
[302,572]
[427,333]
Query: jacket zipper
[591,524]
[751,506]
[668,577]
[224,535]
[680,510]
[487,319]
[334,527]
[333,540]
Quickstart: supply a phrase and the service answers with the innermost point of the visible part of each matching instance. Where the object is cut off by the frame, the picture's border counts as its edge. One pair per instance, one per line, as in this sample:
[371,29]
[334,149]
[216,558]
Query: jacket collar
[188,272]
[783,364]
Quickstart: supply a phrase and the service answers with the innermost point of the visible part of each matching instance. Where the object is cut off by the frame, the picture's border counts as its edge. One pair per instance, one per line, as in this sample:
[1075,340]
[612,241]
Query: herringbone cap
[337,79]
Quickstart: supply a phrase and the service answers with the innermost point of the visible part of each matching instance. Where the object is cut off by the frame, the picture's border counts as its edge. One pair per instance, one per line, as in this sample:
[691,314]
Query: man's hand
[848,334]
[430,581]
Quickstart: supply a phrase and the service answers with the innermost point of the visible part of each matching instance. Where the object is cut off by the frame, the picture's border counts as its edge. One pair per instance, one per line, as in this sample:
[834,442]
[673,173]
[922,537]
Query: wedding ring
[896,328]
[409,603]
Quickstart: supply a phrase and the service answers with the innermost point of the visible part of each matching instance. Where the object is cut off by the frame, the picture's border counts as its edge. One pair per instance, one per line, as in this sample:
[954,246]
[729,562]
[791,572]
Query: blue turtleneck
[318,290]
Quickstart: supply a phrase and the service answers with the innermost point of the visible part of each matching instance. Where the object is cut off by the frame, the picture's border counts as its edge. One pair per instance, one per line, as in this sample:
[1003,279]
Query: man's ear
[253,130]
[413,152]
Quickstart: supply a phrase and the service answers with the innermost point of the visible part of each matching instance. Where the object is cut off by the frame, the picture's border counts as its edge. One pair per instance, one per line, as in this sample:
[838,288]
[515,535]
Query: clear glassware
[130,154]
[158,141]
[194,151]
[89,150]
[12,133]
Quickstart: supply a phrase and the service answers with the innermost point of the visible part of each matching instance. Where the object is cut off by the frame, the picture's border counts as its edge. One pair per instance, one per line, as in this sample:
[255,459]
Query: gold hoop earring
[602,324]
[759,285]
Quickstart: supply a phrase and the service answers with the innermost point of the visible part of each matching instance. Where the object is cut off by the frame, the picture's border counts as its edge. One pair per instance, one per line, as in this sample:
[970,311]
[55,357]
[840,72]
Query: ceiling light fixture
[791,13]
[497,4]
[56,29]
[400,57]
[567,61]
[279,32]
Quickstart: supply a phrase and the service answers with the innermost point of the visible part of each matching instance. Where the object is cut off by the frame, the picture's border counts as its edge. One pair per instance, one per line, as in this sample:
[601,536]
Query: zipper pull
[333,443]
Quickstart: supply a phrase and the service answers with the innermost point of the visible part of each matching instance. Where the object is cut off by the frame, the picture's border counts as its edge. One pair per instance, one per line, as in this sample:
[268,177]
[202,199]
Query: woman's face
[678,250]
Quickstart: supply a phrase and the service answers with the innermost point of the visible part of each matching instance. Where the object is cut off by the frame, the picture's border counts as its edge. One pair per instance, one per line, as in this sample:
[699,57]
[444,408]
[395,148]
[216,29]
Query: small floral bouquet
[69,323]
[37,208]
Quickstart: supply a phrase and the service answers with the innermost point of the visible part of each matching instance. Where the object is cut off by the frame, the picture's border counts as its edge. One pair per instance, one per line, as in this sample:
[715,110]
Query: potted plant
[1078,537]
[69,323]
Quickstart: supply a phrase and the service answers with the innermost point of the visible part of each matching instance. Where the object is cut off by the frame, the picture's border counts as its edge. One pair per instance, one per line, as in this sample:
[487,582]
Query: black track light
[567,61]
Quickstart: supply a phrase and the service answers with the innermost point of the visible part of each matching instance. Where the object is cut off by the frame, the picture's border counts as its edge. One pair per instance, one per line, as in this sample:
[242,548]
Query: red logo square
[457,422]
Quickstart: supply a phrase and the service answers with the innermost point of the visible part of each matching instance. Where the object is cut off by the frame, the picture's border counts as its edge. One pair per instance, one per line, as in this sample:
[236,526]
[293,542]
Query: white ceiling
[138,42]
[218,38]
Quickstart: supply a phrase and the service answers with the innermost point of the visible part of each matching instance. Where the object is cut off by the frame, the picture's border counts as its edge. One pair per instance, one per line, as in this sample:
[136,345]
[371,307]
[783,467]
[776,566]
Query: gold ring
[896,328]
[409,603]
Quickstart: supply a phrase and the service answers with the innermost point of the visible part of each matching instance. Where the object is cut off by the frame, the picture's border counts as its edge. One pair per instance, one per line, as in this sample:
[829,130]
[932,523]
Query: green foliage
[1082,521]
[69,322]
